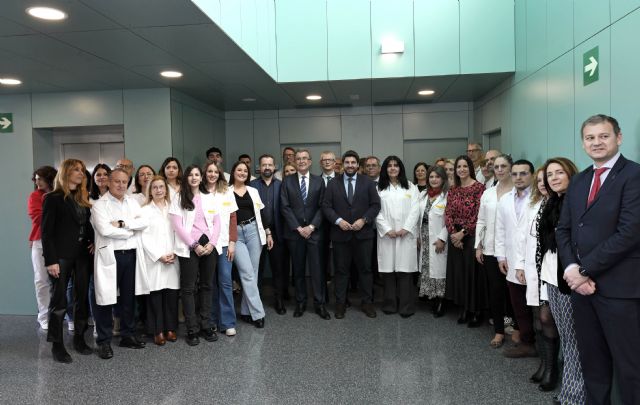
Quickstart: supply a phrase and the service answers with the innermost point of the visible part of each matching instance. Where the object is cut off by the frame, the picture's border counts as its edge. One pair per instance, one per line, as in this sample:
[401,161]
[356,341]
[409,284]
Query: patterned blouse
[463,204]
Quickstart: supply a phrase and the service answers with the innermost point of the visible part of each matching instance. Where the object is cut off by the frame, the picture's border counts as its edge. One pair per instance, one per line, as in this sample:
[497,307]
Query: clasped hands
[169,258]
[456,239]
[579,283]
[397,234]
[203,250]
[356,226]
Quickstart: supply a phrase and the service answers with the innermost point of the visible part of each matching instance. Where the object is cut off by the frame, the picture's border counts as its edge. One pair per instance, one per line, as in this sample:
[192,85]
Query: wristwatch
[120,223]
[583,272]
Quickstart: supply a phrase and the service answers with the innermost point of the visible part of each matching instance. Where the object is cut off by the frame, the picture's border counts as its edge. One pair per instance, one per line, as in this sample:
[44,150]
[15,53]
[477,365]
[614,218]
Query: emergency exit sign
[6,122]
[590,66]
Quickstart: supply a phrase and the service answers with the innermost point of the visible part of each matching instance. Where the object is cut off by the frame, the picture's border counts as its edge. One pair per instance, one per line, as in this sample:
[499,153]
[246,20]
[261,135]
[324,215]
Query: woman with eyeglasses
[143,177]
[499,302]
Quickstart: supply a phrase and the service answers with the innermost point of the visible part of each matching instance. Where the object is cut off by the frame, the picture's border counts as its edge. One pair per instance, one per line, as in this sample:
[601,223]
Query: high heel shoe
[438,308]
[463,318]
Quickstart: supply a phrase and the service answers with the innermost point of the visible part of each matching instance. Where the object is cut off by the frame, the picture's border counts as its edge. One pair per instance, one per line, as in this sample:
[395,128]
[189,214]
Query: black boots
[80,345]
[438,307]
[537,376]
[549,379]
[60,354]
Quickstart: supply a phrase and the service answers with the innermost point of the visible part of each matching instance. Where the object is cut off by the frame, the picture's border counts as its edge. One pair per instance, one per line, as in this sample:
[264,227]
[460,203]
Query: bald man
[474,152]
[490,157]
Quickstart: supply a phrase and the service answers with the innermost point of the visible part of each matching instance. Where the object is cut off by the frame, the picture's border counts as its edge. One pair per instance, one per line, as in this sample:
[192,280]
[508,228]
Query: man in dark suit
[599,246]
[269,189]
[351,204]
[300,198]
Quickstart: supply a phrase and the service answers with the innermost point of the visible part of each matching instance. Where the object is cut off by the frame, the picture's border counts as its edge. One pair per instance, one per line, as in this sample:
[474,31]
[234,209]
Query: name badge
[407,195]
[212,211]
[226,203]
[440,206]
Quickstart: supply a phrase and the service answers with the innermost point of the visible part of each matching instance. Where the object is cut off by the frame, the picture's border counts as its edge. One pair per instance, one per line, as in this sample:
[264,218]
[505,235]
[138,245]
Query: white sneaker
[230,332]
[44,326]
[71,326]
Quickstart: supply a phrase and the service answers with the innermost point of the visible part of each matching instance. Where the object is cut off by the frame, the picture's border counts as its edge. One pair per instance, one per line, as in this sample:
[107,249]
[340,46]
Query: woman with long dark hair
[433,239]
[197,227]
[43,179]
[142,179]
[67,239]
[420,176]
[465,284]
[557,175]
[171,170]
[397,226]
[99,181]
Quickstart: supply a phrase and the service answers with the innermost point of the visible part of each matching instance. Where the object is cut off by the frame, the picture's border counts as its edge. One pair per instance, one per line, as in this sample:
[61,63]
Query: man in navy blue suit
[599,246]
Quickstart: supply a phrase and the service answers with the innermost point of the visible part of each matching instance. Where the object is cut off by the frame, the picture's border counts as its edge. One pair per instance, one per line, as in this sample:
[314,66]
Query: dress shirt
[267,197]
[345,178]
[521,201]
[306,180]
[327,177]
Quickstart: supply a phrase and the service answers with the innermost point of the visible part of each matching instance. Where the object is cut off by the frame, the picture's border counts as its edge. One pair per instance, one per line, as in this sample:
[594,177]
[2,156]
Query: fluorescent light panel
[9,81]
[172,74]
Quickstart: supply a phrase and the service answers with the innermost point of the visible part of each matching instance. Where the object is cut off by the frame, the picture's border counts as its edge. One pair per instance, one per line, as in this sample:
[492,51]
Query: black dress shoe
[80,345]
[369,310]
[280,308]
[322,312]
[105,351]
[300,308]
[192,339]
[463,318]
[60,354]
[340,310]
[406,315]
[131,342]
[259,323]
[438,308]
[246,318]
[475,321]
[208,334]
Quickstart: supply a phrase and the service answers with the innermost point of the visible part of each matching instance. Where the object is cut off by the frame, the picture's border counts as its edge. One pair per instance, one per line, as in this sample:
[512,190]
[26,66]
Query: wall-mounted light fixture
[390,45]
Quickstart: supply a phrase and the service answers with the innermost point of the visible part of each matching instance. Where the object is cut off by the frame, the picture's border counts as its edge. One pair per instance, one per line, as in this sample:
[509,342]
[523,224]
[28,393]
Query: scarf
[433,192]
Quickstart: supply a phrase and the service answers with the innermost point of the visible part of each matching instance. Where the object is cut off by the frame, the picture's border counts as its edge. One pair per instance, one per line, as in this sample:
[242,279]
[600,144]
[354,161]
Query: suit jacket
[276,227]
[366,204]
[604,238]
[295,211]
[61,226]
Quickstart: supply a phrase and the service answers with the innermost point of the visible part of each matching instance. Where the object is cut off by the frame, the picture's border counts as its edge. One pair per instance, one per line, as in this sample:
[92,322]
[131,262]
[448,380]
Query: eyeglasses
[327,160]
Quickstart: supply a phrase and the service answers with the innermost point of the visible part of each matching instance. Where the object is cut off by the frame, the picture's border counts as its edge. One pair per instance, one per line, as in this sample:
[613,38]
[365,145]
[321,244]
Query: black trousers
[521,311]
[499,301]
[275,256]
[126,278]
[162,311]
[608,333]
[77,269]
[399,293]
[357,251]
[305,251]
[197,271]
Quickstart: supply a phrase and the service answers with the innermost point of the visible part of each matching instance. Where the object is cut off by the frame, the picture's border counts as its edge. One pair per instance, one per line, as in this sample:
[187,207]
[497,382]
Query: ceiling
[124,44]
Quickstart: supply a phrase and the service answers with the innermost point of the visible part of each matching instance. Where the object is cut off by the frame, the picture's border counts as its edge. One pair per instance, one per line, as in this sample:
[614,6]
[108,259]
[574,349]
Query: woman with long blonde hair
[67,242]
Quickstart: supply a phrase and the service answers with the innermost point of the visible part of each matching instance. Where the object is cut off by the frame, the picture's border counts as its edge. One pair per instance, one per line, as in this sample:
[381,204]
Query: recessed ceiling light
[8,81]
[249,99]
[47,13]
[314,97]
[426,92]
[172,74]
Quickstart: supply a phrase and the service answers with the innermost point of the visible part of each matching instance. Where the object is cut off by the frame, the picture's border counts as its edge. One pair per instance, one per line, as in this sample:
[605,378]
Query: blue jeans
[223,312]
[247,259]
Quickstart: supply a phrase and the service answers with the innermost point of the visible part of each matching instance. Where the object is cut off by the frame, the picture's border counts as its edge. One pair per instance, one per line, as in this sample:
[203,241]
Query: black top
[267,197]
[421,188]
[245,207]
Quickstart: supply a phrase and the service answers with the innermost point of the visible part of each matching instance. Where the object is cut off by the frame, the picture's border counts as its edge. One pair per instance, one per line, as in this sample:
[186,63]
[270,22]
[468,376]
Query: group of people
[553,249]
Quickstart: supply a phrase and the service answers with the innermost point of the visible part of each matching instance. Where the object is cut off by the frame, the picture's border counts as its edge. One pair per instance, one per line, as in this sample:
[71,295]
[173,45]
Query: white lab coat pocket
[106,255]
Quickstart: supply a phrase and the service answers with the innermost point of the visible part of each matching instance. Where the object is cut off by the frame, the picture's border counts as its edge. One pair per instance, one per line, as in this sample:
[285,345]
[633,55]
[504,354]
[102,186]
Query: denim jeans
[223,312]
[247,259]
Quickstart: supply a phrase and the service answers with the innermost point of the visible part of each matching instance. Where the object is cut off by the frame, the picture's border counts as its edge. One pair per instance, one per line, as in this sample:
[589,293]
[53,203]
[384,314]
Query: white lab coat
[526,256]
[437,230]
[400,209]
[486,224]
[105,269]
[188,217]
[224,205]
[157,240]
[508,231]
[257,206]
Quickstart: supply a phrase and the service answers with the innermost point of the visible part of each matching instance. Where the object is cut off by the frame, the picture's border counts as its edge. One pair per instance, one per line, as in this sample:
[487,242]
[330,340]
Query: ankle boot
[537,376]
[60,354]
[80,345]
[439,308]
[463,317]
[550,375]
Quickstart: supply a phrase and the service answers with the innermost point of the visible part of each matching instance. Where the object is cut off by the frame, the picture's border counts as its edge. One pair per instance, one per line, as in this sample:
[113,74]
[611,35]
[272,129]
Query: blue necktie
[303,189]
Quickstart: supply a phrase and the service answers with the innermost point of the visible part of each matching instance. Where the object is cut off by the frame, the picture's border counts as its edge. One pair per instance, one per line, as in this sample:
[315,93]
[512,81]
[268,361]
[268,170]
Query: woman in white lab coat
[432,256]
[159,279]
[397,225]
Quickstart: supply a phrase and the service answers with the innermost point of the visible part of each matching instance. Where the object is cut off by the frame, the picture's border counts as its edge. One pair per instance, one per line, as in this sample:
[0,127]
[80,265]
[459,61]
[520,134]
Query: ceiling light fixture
[249,99]
[172,74]
[8,81]
[314,97]
[426,92]
[47,13]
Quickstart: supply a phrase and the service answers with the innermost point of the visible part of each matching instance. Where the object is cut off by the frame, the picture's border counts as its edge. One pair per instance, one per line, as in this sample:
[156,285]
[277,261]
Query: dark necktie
[350,190]
[596,184]
[303,189]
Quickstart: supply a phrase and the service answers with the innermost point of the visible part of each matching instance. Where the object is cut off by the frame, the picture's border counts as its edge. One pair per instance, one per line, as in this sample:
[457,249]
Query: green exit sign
[6,122]
[590,66]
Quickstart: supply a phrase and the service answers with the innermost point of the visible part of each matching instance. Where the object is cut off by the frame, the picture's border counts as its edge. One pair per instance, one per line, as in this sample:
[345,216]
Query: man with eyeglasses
[372,168]
[127,165]
[510,225]
[474,152]
[288,156]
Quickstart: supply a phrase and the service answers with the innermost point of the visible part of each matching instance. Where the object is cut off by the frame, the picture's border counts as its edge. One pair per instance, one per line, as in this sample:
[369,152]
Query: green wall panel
[231,19]
[249,26]
[560,100]
[536,35]
[349,39]
[392,20]
[625,81]
[589,17]
[535,129]
[620,8]
[437,37]
[520,38]
[486,36]
[302,40]
[559,27]
[596,97]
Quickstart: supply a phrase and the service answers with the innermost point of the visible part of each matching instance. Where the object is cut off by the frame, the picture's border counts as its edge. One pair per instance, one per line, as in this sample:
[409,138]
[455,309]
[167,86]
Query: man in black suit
[351,204]
[599,246]
[269,189]
[300,198]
